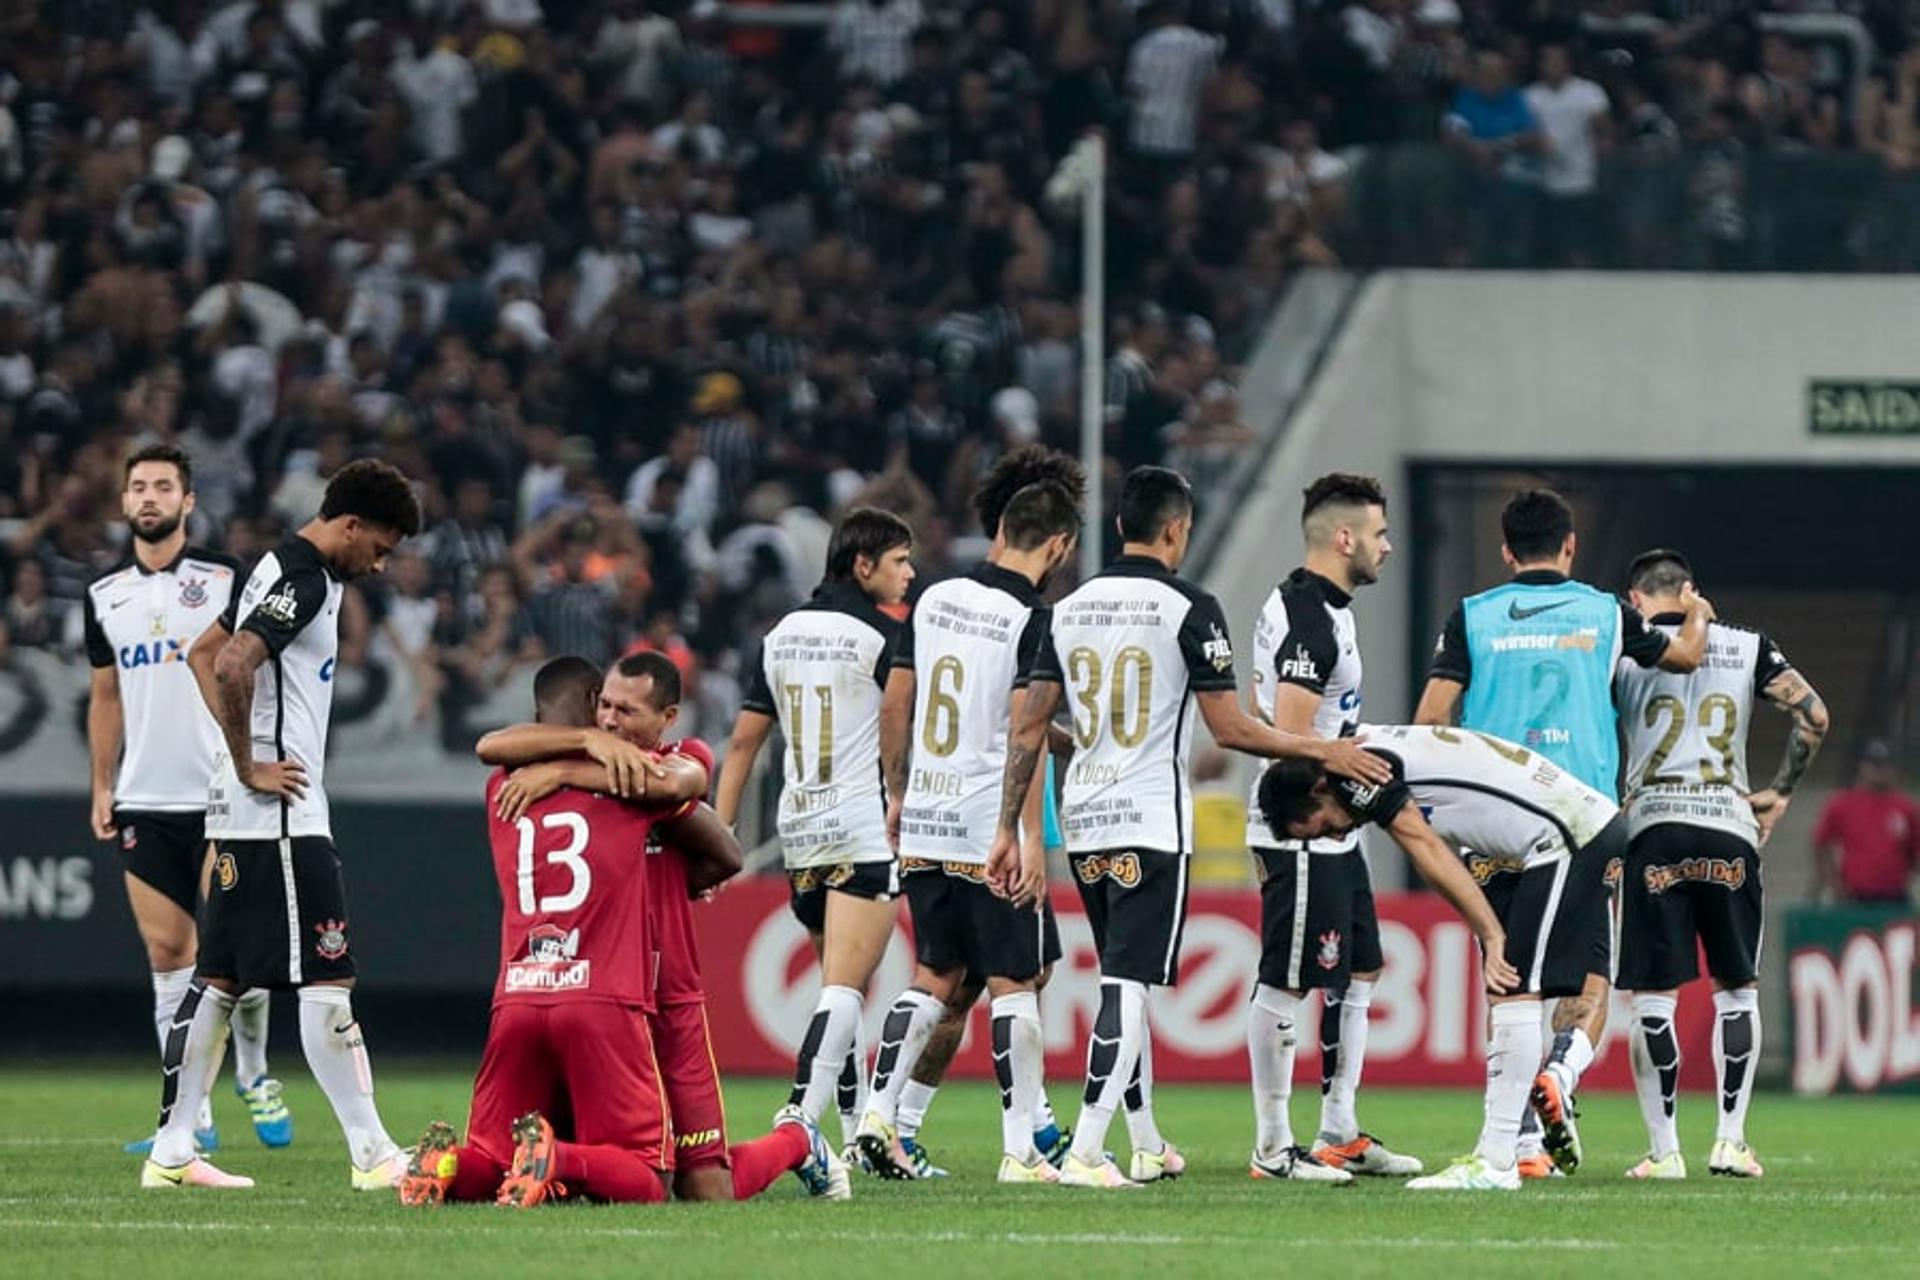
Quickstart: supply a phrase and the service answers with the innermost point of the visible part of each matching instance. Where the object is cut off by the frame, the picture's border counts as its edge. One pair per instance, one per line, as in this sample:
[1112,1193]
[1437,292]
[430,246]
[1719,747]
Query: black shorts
[1688,888]
[961,924]
[276,914]
[1136,903]
[807,887]
[1557,916]
[1317,919]
[164,850]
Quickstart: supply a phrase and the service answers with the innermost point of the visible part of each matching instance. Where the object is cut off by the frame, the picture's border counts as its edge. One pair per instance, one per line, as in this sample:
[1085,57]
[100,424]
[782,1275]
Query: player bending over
[1506,809]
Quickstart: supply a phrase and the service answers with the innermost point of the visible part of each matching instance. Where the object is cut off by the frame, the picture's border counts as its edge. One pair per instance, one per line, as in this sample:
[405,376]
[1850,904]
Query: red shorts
[692,1081]
[588,1067]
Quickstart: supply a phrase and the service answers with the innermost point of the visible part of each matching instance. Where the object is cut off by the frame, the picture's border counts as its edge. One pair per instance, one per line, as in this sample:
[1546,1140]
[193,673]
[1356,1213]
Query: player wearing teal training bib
[1532,661]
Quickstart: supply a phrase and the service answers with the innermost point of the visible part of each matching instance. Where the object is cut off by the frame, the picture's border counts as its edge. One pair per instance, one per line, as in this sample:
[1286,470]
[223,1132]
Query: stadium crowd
[640,297]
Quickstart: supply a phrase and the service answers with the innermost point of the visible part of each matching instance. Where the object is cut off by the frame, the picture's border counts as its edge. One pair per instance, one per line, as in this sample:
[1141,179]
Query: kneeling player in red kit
[570,1037]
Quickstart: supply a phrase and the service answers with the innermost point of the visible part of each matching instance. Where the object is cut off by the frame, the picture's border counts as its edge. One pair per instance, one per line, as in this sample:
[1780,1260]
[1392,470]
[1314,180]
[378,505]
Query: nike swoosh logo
[116,604]
[1518,614]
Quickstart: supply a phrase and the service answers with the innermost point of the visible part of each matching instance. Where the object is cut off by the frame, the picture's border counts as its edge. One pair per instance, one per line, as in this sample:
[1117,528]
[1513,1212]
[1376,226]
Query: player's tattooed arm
[1790,692]
[1439,701]
[1025,745]
[233,671]
[750,730]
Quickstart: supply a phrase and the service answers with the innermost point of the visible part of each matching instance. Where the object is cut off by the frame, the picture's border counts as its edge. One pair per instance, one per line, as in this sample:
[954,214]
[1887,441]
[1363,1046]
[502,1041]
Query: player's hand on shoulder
[628,766]
[1769,806]
[524,788]
[284,778]
[1693,600]
[1501,977]
[1346,757]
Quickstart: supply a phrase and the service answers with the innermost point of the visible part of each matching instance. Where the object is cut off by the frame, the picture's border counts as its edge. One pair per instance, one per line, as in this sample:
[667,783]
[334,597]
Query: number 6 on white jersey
[567,856]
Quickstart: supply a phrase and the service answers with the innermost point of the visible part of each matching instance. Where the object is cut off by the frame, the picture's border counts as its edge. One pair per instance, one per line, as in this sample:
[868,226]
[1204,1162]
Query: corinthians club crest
[193,593]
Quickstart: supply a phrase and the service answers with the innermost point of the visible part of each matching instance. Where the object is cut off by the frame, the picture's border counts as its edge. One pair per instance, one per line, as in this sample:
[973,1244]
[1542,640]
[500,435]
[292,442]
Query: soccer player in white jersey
[277,910]
[153,742]
[960,676]
[1692,876]
[1318,925]
[821,675]
[1504,810]
[1133,650]
[1013,471]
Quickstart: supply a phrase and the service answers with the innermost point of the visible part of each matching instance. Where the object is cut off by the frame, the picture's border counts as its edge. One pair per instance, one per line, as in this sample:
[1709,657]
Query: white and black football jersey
[143,622]
[970,644]
[1513,808]
[821,674]
[1304,636]
[1131,647]
[291,601]
[1686,735]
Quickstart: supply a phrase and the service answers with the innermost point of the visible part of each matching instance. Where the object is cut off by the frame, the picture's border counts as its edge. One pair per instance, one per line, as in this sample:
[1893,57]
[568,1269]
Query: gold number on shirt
[1715,706]
[940,731]
[1132,670]
[1723,740]
[1505,750]
[796,712]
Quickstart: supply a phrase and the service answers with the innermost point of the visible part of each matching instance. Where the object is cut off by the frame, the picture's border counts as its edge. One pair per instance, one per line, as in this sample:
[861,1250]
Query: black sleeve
[1204,645]
[1451,658]
[758,695]
[1768,664]
[1643,644]
[1045,664]
[230,616]
[899,652]
[1033,637]
[1379,805]
[99,648]
[1307,653]
[289,605]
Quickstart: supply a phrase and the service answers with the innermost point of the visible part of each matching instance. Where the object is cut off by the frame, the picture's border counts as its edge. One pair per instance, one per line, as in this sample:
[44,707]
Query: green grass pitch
[1842,1197]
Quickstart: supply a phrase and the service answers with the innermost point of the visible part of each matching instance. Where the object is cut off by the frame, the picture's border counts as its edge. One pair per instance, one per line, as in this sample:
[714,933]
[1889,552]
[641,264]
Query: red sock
[613,1174]
[476,1177]
[758,1164]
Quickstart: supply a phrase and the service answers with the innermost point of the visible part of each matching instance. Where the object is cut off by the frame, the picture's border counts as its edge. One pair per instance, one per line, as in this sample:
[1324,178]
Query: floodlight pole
[1093,290]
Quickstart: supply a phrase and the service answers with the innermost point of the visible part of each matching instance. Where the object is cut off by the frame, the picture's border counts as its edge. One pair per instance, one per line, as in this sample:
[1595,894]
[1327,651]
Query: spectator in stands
[1494,129]
[1167,72]
[1867,841]
[1572,115]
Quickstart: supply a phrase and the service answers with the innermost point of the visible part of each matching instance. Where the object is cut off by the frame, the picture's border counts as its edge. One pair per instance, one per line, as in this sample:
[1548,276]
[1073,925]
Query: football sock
[169,985]
[1329,1038]
[1142,1133]
[195,1038]
[1112,1051]
[613,1174]
[1338,1122]
[1736,1052]
[909,1023]
[1533,1138]
[915,1098]
[250,1035]
[1570,1057]
[825,1052]
[337,1055]
[850,1095]
[757,1165]
[1018,1065]
[1655,1054]
[1513,1060]
[1271,1017]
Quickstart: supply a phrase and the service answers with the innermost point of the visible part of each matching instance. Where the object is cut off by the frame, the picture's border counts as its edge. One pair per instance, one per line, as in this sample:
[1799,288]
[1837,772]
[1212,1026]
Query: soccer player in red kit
[570,1036]
[640,702]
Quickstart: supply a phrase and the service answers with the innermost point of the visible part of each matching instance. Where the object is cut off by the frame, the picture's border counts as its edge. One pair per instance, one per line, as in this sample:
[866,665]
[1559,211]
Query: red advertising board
[1428,1012]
